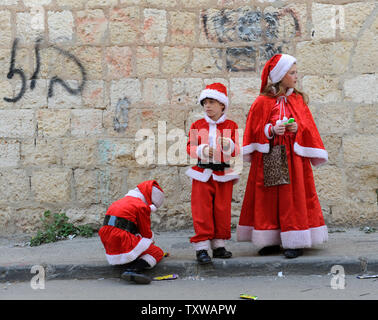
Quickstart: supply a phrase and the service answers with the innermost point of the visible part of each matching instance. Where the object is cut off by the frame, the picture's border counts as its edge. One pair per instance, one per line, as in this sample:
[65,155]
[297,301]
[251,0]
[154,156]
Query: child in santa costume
[290,214]
[212,141]
[126,233]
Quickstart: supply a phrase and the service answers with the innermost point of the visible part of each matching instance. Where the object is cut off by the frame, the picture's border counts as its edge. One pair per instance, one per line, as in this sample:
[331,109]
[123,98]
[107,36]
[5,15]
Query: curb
[268,266]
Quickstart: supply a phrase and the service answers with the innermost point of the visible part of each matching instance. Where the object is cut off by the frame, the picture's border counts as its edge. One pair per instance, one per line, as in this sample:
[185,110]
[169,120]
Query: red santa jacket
[122,246]
[308,142]
[204,132]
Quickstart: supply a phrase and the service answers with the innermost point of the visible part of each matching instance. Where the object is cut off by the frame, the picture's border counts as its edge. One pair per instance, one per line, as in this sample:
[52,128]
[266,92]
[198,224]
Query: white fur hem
[149,259]
[318,156]
[304,238]
[127,257]
[289,239]
[202,245]
[217,243]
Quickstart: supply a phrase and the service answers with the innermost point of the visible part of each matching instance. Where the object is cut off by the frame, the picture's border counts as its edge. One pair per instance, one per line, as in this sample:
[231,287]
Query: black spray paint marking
[245,25]
[13,71]
[34,77]
[55,79]
[120,120]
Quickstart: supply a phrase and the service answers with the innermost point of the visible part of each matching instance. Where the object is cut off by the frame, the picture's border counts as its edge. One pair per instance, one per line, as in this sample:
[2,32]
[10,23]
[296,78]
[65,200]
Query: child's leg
[202,213]
[152,255]
[222,212]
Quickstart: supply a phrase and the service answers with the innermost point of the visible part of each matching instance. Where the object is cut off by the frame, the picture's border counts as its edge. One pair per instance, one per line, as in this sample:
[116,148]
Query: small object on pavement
[166,254]
[247,296]
[291,120]
[367,276]
[167,277]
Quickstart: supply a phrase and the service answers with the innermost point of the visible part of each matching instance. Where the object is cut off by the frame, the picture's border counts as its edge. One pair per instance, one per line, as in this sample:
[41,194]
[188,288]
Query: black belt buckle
[120,223]
[213,166]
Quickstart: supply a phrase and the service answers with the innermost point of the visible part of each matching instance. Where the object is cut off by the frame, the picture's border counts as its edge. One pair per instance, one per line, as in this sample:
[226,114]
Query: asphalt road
[280,287]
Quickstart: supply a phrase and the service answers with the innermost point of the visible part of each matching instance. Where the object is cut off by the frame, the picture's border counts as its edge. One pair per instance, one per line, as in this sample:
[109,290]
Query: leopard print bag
[276,170]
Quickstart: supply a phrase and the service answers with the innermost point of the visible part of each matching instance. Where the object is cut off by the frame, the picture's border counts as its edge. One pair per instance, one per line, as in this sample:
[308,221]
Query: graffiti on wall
[13,71]
[260,30]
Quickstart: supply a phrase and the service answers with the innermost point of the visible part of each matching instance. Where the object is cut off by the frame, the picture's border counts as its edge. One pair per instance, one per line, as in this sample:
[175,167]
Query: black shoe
[269,250]
[293,253]
[136,277]
[222,253]
[203,257]
[137,265]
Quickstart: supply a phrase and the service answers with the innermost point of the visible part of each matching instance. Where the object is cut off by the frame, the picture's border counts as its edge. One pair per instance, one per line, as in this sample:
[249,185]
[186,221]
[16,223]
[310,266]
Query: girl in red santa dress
[212,141]
[287,215]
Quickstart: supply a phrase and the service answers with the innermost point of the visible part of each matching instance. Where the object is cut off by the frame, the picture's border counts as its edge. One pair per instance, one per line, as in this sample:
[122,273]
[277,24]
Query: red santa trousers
[123,247]
[211,212]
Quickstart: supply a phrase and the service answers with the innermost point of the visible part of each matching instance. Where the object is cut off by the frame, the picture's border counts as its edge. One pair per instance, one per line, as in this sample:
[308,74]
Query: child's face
[213,108]
[291,77]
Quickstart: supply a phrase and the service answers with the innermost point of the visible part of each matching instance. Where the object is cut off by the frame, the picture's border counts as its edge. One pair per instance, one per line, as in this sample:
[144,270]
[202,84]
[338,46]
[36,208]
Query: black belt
[214,166]
[121,223]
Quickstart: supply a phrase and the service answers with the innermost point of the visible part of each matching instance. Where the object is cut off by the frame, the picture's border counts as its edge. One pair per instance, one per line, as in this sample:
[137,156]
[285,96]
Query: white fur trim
[149,259]
[231,149]
[222,119]
[264,238]
[304,238]
[136,194]
[318,156]
[202,245]
[281,68]
[153,208]
[263,148]
[217,243]
[200,176]
[266,130]
[127,257]
[200,153]
[226,177]
[214,94]
[157,197]
[243,233]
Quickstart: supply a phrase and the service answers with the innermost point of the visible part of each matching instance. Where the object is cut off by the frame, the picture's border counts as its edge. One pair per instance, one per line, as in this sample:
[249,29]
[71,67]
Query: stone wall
[79,79]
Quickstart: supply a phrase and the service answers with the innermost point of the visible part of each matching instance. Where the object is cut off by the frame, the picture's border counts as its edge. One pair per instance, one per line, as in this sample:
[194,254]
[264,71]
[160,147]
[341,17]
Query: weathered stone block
[14,185]
[60,26]
[362,89]
[175,59]
[147,60]
[182,26]
[18,124]
[51,185]
[86,122]
[40,152]
[360,149]
[155,91]
[119,62]
[124,25]
[155,26]
[206,61]
[9,153]
[91,26]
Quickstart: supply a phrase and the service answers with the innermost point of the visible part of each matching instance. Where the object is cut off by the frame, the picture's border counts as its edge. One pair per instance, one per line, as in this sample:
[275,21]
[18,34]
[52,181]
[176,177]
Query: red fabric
[259,115]
[269,65]
[287,207]
[117,241]
[146,189]
[211,210]
[217,86]
[199,134]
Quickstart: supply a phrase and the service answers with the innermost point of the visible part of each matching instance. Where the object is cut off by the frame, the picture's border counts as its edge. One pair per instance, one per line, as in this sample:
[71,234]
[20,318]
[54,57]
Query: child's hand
[279,129]
[224,142]
[208,152]
[292,127]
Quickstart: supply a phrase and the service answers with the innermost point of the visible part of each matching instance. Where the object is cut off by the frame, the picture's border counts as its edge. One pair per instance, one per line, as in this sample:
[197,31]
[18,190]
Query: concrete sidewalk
[83,258]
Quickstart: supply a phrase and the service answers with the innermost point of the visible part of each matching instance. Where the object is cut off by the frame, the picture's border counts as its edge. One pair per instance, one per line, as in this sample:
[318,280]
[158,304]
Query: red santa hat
[215,91]
[276,68]
[152,192]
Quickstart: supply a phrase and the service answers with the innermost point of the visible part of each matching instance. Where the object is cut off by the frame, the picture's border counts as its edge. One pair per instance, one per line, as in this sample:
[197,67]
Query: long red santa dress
[290,214]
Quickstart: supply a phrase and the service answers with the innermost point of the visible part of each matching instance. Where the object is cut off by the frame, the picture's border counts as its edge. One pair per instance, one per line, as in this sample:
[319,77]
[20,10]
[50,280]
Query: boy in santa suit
[212,141]
[126,233]
[287,215]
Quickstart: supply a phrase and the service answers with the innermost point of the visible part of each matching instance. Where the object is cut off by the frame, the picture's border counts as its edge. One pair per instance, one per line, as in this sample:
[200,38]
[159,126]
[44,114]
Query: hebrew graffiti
[54,80]
[260,30]
[120,120]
